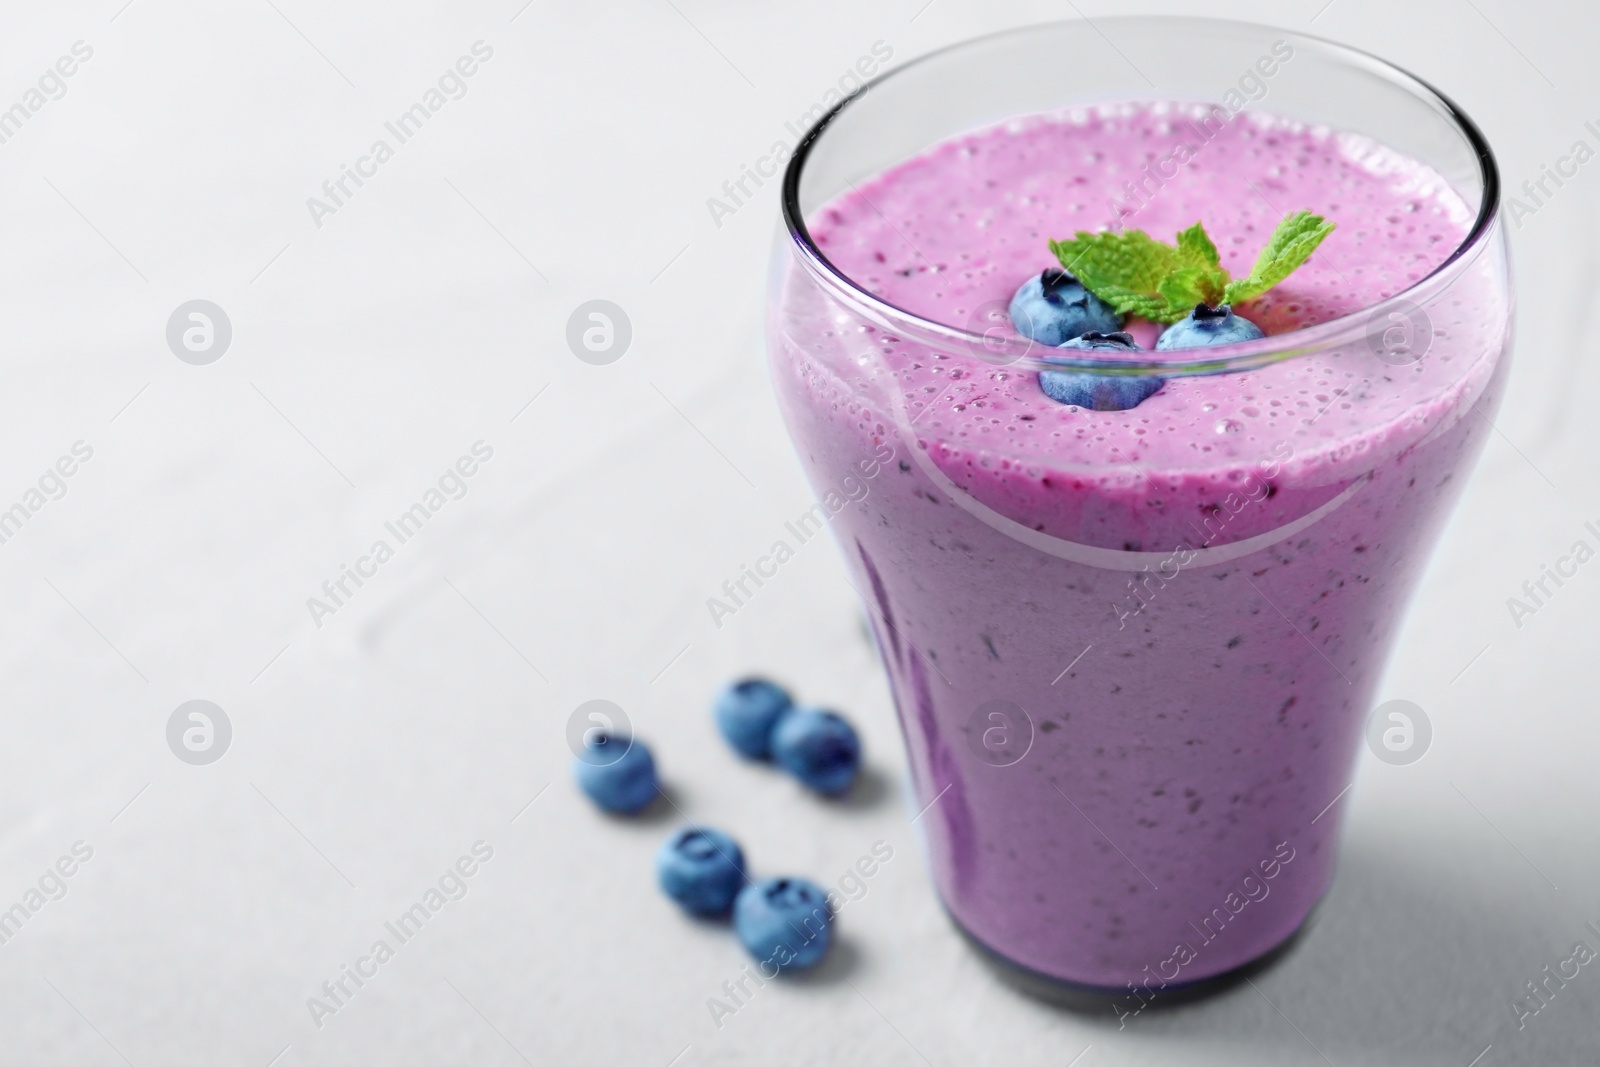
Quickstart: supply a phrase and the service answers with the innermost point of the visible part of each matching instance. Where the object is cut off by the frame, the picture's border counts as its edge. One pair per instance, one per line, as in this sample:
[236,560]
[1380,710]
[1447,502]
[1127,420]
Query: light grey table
[377,336]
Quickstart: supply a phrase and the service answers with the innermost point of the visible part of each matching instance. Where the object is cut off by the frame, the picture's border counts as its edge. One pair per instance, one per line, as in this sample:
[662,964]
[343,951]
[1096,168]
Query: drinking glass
[1111,796]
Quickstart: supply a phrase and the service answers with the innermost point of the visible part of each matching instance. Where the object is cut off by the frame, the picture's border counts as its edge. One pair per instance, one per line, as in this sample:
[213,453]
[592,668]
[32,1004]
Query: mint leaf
[1290,245]
[1195,248]
[1123,269]
[1133,260]
[1201,278]
[1125,301]
[1139,275]
[1188,286]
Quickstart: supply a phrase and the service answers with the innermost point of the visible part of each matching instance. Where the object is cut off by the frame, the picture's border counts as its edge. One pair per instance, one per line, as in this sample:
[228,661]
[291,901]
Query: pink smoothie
[1190,602]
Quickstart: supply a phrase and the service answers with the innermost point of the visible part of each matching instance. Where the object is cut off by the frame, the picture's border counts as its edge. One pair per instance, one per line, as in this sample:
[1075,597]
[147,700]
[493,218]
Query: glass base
[1078,997]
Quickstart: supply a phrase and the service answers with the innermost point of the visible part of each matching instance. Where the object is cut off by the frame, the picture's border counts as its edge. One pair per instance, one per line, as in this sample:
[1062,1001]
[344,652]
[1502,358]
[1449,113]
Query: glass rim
[1219,359]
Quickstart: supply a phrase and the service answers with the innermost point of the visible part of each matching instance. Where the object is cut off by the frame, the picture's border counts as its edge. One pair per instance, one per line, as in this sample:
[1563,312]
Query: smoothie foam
[1223,566]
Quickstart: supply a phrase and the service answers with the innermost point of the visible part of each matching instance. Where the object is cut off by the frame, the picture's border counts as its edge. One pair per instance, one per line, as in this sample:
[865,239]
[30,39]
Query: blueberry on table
[817,747]
[617,772]
[1207,325]
[1098,392]
[746,712]
[702,869]
[786,921]
[1053,307]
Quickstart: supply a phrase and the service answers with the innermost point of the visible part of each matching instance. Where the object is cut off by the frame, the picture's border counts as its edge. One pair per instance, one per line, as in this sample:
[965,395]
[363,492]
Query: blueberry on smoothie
[622,783]
[1207,325]
[702,869]
[1053,307]
[786,921]
[1098,392]
[746,712]
[819,748]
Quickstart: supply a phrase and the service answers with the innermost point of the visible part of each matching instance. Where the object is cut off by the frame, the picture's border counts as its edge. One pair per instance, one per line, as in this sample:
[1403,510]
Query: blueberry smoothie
[1133,650]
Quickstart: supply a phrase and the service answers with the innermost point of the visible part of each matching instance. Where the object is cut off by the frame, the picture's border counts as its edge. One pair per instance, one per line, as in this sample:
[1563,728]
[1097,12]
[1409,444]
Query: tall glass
[1129,741]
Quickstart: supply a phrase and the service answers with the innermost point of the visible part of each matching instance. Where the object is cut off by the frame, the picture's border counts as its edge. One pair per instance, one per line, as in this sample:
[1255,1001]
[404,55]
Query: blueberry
[1098,392]
[1207,326]
[617,772]
[702,869]
[747,711]
[817,747]
[1053,307]
[786,921]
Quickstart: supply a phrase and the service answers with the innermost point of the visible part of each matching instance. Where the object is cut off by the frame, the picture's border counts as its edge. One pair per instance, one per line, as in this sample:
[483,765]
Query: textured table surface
[376,339]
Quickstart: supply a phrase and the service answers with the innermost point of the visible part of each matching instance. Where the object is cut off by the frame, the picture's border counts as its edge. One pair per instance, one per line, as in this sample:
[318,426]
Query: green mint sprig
[1138,275]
